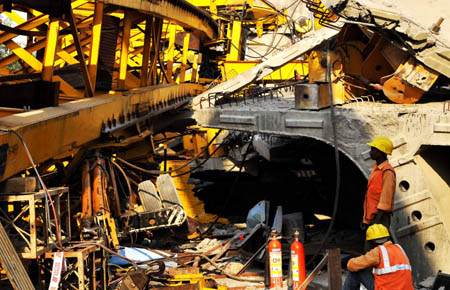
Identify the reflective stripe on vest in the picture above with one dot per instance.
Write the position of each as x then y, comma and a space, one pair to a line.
387, 265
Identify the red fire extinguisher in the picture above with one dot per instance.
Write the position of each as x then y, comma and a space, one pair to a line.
297, 262
275, 258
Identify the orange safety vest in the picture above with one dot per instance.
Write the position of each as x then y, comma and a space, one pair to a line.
374, 187
393, 271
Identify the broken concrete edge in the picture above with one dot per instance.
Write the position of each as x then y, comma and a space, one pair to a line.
420, 42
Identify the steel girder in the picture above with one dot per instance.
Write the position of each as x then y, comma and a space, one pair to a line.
60, 131
179, 11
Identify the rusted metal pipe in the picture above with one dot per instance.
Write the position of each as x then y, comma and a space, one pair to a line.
86, 196
437, 26
116, 202
97, 188
105, 188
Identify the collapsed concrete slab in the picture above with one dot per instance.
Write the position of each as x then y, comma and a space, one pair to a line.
265, 68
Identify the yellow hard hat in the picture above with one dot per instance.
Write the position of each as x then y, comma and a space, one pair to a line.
382, 143
376, 231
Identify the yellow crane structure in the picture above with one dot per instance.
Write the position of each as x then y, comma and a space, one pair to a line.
73, 41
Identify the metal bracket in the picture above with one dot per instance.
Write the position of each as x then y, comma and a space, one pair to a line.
160, 219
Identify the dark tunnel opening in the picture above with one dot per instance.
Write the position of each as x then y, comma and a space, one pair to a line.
301, 177
438, 157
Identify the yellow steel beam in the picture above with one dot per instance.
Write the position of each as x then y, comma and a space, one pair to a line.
66, 57
35, 64
185, 55
146, 54
50, 49
235, 49
207, 3
27, 57
124, 50
86, 117
233, 68
197, 60
131, 52
67, 89
180, 11
13, 57
72, 52
131, 80
135, 57
154, 55
39, 45
95, 42
15, 17
171, 52
78, 3
20, 20
33, 23
5, 112
213, 9
89, 91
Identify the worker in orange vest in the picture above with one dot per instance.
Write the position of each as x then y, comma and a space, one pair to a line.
391, 268
379, 200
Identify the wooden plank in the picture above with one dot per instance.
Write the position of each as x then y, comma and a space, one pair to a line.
15, 270
19, 184
26, 196
222, 251
314, 273
334, 269
149, 197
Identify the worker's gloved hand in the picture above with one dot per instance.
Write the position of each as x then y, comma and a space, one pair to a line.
363, 226
380, 213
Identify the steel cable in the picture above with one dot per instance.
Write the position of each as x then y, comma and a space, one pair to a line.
336, 156
48, 196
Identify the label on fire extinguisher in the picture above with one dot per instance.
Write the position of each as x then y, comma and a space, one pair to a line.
275, 264
294, 267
